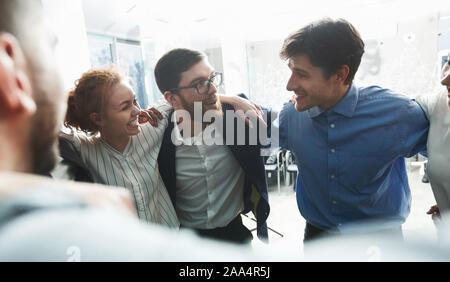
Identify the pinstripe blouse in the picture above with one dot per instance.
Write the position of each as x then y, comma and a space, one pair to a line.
135, 169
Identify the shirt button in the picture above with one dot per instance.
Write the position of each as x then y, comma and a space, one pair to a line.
332, 125
340, 224
332, 176
334, 202
333, 150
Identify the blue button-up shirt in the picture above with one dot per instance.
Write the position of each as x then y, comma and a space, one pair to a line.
350, 157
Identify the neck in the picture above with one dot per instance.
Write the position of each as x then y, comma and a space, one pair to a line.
118, 143
336, 97
15, 152
197, 127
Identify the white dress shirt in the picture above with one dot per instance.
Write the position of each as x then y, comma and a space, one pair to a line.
438, 147
210, 182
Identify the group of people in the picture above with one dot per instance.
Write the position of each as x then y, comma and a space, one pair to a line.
350, 144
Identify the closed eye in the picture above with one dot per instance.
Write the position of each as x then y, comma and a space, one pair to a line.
301, 74
128, 104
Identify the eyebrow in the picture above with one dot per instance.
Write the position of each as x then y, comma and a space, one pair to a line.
296, 69
299, 70
127, 101
198, 79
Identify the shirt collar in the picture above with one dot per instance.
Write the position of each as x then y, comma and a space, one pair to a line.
346, 106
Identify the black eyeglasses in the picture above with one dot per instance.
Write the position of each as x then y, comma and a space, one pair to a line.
204, 85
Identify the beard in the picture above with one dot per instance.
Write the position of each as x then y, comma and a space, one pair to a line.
46, 122
189, 107
43, 141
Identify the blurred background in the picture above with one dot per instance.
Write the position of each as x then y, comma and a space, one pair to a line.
405, 40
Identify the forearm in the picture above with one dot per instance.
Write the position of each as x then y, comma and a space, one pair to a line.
232, 100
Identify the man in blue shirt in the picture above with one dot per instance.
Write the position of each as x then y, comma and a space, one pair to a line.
349, 141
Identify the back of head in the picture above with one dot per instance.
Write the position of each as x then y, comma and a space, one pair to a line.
169, 67
329, 44
22, 20
90, 96
14, 16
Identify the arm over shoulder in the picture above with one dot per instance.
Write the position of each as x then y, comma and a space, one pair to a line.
414, 126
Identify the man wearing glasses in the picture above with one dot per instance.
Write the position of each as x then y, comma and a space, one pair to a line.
209, 184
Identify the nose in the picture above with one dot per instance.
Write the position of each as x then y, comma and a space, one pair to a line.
212, 89
446, 78
136, 110
291, 86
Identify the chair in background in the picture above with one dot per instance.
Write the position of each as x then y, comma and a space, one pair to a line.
275, 164
291, 168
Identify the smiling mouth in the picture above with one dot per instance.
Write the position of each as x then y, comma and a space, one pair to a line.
210, 103
133, 123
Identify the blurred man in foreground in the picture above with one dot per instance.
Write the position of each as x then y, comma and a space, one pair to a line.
46, 220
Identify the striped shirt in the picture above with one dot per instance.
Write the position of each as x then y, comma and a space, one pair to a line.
135, 169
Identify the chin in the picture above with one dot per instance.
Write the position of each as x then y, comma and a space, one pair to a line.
135, 132
217, 108
300, 108
132, 131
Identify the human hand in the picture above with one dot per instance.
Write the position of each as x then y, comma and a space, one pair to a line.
150, 115
245, 108
435, 213
292, 100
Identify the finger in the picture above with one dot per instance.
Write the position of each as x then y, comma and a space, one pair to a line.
152, 114
151, 119
156, 112
142, 118
258, 108
260, 118
257, 117
249, 122
154, 123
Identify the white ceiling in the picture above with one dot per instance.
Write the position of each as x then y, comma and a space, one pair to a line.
121, 17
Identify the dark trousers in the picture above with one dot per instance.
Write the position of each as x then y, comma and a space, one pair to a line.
234, 232
312, 233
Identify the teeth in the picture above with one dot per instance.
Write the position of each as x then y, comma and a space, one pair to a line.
134, 122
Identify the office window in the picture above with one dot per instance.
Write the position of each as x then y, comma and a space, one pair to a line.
125, 54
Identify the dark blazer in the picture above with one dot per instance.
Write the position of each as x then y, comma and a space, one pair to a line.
77, 169
248, 156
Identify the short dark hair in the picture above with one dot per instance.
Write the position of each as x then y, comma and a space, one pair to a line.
169, 67
329, 44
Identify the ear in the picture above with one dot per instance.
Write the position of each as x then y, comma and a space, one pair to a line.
342, 74
173, 99
96, 118
15, 87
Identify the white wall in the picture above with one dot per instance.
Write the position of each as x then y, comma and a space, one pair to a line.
66, 19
